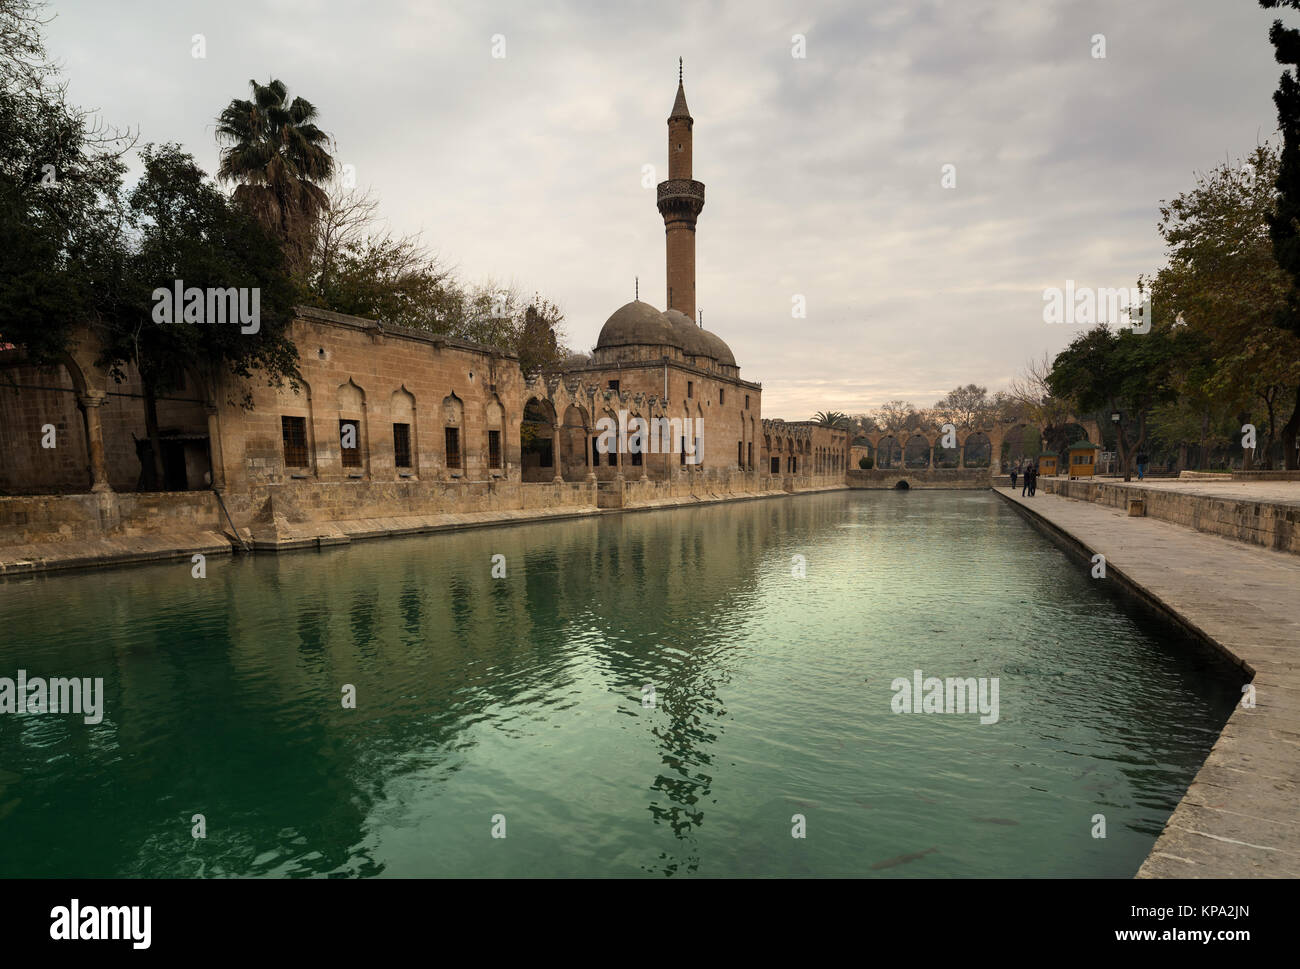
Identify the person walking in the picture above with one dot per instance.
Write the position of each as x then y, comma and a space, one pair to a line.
1142, 464
1031, 478
1024, 491
1013, 478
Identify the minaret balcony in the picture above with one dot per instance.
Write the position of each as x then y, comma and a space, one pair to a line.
681, 194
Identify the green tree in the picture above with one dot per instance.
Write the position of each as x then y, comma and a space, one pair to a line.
1224, 287
1284, 222
280, 160
831, 418
61, 219
188, 231
537, 338
1123, 372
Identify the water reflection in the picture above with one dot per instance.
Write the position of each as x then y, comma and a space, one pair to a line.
523, 696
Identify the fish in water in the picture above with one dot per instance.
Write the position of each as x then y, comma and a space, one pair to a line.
997, 820
902, 859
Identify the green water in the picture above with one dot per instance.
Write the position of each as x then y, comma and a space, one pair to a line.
523, 697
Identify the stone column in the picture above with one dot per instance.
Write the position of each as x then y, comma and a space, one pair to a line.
90, 403
589, 448
555, 454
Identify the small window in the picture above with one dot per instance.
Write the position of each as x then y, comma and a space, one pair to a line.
494, 449
722, 395
690, 388
402, 445
453, 447
293, 431
747, 402
613, 385
350, 443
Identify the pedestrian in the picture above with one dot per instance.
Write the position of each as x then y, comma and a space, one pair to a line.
1031, 476
1024, 490
1142, 464
1013, 478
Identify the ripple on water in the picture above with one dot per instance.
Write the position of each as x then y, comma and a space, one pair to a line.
529, 698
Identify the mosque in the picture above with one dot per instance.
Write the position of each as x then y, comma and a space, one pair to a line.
667, 354
393, 430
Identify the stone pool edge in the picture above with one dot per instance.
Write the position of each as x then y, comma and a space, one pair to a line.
18, 561
1237, 818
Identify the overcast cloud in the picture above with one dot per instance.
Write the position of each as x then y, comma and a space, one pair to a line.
822, 174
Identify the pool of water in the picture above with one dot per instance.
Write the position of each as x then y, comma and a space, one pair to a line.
641, 694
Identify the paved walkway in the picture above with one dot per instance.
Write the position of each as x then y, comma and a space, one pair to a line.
1240, 817
1280, 492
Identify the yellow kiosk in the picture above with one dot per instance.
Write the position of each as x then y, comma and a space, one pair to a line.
1083, 459
1047, 463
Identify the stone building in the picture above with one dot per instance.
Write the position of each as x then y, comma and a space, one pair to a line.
804, 447
679, 369
392, 430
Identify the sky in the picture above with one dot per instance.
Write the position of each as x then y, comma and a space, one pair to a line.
824, 172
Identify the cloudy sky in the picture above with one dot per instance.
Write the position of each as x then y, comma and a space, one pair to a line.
823, 172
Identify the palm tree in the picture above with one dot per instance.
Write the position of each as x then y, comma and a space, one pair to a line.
279, 157
831, 418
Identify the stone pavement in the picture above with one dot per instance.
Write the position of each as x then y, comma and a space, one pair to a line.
1240, 817
1278, 492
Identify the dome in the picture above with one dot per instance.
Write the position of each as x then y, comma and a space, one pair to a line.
688, 336
636, 324
719, 351
576, 360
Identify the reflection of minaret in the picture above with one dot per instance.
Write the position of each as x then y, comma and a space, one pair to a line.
680, 200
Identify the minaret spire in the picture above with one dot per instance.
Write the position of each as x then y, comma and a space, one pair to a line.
680, 200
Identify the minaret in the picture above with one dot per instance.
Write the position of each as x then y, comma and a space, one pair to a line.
680, 200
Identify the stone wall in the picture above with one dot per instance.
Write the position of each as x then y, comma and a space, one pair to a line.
28, 520
1270, 524
376, 377
920, 478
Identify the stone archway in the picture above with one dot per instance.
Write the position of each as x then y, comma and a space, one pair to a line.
538, 441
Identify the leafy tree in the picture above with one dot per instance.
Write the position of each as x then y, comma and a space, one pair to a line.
188, 230
279, 158
61, 245
1284, 223
1125, 372
896, 416
965, 407
1224, 287
537, 339
831, 418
